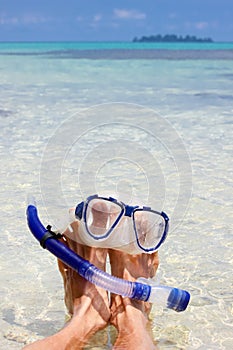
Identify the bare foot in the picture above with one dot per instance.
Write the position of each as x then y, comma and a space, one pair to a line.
87, 304
76, 287
130, 317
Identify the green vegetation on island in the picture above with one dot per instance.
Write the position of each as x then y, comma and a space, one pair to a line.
171, 38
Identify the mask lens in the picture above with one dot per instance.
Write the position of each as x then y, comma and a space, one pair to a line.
149, 227
101, 215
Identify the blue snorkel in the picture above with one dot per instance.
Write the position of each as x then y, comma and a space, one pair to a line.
172, 298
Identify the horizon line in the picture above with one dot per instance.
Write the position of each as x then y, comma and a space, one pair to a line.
112, 41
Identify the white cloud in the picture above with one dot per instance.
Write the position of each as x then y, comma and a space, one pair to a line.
96, 20
129, 14
34, 19
93, 21
98, 17
201, 25
5, 20
22, 19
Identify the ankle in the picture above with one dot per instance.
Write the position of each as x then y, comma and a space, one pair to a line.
130, 307
128, 316
86, 311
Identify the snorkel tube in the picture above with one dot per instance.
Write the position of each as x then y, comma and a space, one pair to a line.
143, 289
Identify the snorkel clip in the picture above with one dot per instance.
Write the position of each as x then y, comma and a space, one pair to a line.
49, 234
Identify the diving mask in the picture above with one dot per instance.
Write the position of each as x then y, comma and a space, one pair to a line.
108, 223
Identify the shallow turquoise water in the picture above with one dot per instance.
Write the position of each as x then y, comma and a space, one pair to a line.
159, 129
45, 46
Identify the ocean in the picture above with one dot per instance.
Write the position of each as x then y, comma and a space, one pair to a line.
151, 123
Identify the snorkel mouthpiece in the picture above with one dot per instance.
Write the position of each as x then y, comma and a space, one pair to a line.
142, 289
178, 299
169, 297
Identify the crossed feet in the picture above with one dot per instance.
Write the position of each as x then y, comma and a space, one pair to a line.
90, 307
130, 317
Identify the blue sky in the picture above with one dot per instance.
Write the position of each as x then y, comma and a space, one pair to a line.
106, 20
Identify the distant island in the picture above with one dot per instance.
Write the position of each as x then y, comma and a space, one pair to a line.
171, 38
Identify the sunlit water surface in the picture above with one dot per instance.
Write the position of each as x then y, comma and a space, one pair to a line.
195, 97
